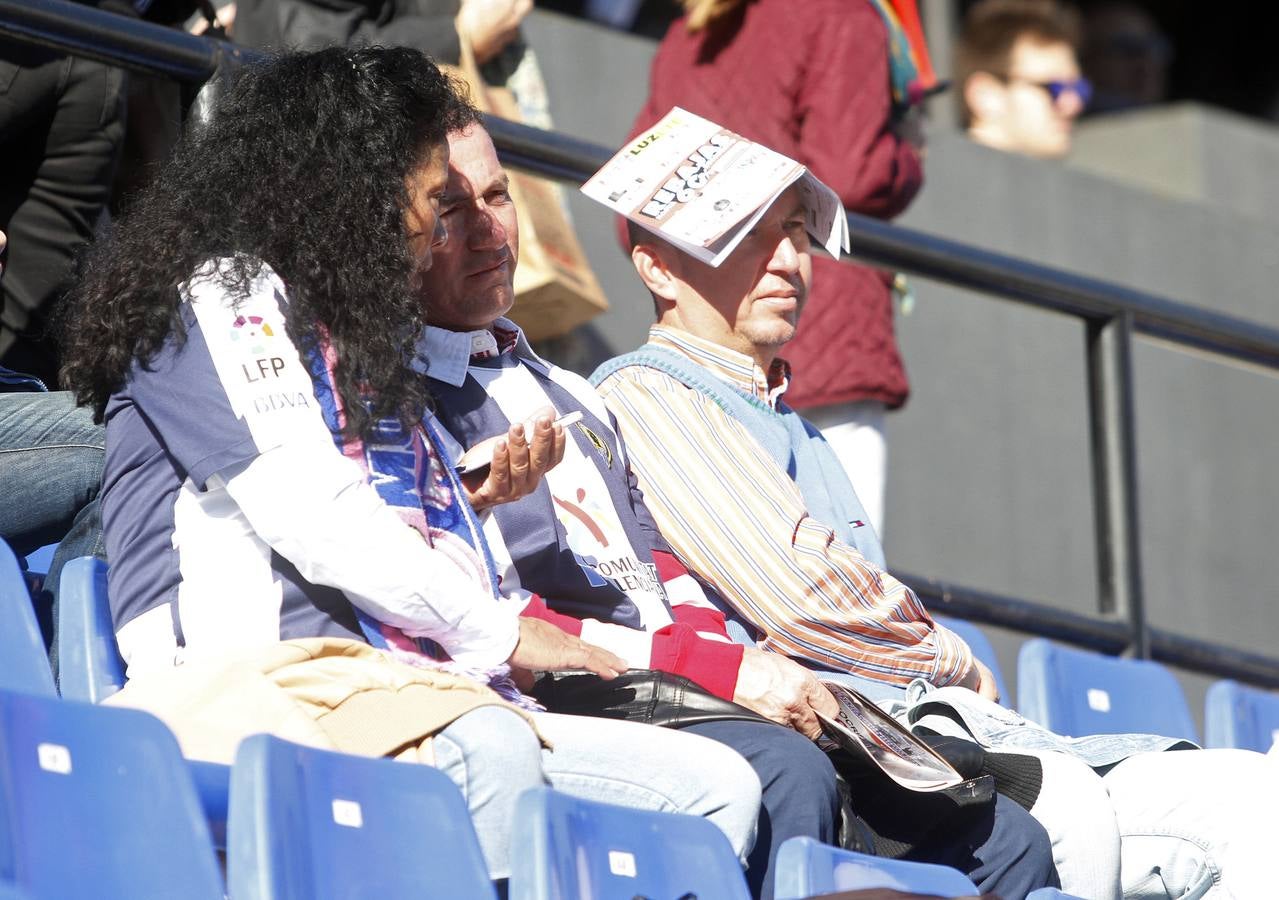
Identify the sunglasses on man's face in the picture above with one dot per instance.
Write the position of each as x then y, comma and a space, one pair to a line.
1080, 87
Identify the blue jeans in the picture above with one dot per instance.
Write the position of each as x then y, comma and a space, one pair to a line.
493, 756
51, 457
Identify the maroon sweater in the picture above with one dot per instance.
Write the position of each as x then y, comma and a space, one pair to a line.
810, 80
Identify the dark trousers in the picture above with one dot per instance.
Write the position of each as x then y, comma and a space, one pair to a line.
1007, 853
61, 130
1004, 851
800, 794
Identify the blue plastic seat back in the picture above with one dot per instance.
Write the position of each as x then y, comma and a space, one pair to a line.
977, 641
40, 560
97, 801
308, 824
1239, 716
24, 664
806, 867
1075, 693
89, 664
571, 848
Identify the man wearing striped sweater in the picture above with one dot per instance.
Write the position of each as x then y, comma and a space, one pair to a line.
749, 497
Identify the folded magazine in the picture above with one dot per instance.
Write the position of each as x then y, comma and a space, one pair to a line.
702, 187
864, 730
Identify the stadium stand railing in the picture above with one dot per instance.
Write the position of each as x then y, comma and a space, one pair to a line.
1113, 315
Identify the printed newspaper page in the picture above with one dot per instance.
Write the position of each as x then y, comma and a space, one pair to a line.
703, 187
864, 729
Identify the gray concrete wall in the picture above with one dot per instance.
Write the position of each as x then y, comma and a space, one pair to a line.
989, 473
1191, 152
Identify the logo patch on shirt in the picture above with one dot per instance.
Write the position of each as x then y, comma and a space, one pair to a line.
260, 370
254, 331
597, 442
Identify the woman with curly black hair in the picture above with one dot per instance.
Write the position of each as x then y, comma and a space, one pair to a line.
289, 550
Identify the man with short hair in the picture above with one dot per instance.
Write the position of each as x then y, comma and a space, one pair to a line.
1020, 87
583, 552
747, 495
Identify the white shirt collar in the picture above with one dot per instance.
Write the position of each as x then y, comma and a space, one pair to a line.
446, 355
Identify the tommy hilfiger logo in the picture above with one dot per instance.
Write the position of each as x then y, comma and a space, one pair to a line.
857, 523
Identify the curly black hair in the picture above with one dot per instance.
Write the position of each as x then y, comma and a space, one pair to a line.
303, 166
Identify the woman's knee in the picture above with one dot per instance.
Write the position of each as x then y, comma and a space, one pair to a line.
488, 749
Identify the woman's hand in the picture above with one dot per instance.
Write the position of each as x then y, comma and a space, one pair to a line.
543, 647
519, 462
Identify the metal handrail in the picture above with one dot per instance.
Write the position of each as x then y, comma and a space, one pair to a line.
1112, 313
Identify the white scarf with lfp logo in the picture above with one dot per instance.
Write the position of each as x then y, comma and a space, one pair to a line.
285, 395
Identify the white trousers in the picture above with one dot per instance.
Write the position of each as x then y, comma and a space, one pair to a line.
1178, 825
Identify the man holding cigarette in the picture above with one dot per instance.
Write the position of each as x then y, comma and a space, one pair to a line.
582, 550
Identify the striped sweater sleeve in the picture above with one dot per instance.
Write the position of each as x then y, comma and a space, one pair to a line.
740, 524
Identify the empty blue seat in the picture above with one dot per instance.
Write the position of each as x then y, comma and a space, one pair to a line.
97, 801
806, 868
1074, 692
573, 848
977, 641
89, 664
308, 824
24, 665
1236, 715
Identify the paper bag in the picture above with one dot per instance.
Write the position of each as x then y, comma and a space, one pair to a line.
555, 288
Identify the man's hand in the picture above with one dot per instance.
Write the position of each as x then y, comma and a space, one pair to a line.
519, 462
980, 679
491, 24
780, 689
543, 647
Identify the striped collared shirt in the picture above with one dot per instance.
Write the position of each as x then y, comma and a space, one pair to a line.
739, 522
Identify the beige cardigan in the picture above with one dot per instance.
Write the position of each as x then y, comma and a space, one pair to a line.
323, 692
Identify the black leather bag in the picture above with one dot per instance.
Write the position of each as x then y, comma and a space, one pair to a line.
890, 820
638, 695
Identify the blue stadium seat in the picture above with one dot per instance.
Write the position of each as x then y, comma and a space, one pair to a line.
97, 801
89, 664
1239, 716
38, 561
24, 665
1074, 692
573, 848
308, 824
806, 868
976, 639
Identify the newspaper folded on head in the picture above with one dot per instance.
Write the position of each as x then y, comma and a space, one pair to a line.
863, 729
702, 187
